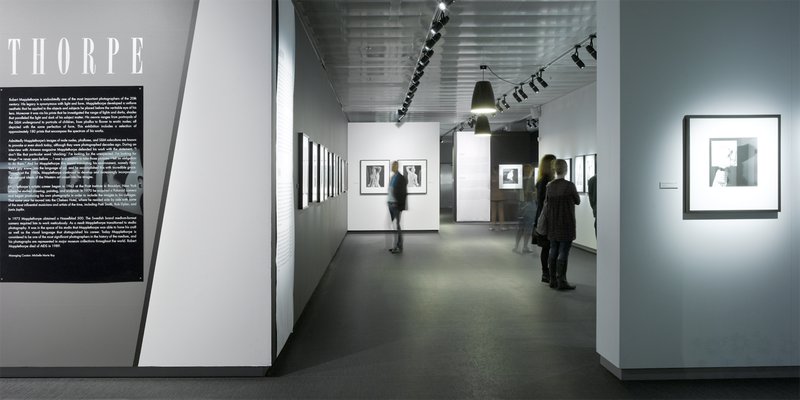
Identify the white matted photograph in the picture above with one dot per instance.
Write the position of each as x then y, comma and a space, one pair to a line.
731, 163
375, 176
579, 174
569, 169
590, 168
415, 172
304, 192
510, 176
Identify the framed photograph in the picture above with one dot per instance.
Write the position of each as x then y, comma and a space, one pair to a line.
323, 173
375, 176
569, 169
416, 174
510, 176
731, 163
304, 171
590, 168
315, 197
580, 177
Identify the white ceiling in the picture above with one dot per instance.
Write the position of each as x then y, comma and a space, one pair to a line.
370, 49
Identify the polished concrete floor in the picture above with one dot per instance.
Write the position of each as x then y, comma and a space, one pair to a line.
457, 315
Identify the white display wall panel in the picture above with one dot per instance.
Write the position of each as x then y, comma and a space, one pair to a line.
284, 175
388, 141
212, 293
568, 128
472, 169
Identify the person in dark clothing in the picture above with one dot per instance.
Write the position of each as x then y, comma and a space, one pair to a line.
545, 176
593, 200
398, 192
562, 197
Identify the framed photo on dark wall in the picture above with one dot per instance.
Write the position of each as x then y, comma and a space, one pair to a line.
374, 176
416, 174
315, 196
731, 163
510, 176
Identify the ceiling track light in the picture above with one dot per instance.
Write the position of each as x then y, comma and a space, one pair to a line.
576, 59
432, 41
498, 106
540, 79
438, 25
533, 85
504, 102
590, 47
444, 3
521, 92
516, 96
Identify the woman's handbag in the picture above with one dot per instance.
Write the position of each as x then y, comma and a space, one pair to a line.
539, 236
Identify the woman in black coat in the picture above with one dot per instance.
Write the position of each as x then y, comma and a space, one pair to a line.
562, 197
545, 176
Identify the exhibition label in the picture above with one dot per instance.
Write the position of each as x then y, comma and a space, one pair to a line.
71, 184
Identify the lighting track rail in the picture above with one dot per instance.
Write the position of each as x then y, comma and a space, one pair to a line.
518, 92
432, 36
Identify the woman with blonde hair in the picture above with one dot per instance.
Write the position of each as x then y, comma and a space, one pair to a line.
562, 197
545, 176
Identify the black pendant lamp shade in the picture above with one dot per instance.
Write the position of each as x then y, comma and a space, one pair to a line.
482, 126
483, 98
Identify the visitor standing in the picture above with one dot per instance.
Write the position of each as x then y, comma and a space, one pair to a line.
397, 194
545, 176
561, 199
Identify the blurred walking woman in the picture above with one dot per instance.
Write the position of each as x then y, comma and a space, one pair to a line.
545, 176
562, 197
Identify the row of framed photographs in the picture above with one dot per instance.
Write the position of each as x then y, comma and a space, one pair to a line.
585, 167
375, 176
323, 174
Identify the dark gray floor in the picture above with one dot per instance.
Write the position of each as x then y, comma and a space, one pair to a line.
458, 315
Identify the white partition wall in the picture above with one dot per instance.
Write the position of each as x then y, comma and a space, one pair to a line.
388, 141
472, 169
568, 128
695, 292
211, 297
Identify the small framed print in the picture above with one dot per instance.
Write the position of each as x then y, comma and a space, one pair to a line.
510, 176
731, 163
590, 168
568, 176
579, 173
375, 176
315, 192
416, 173
304, 171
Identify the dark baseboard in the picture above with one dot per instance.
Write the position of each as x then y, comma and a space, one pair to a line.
660, 374
131, 372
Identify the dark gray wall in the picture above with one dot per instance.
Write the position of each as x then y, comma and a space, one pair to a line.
320, 228
93, 325
513, 148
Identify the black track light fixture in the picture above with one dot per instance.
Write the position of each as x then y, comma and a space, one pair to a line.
423, 62
522, 92
410, 95
498, 106
540, 79
438, 25
418, 75
533, 85
577, 59
412, 89
516, 96
432, 41
590, 47
504, 102
471, 122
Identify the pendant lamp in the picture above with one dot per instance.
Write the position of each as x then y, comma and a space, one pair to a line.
482, 126
483, 97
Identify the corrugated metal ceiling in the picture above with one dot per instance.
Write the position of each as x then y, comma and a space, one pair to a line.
370, 49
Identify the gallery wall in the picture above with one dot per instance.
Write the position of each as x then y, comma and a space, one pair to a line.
95, 324
388, 141
568, 128
204, 298
699, 292
320, 228
473, 183
211, 297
